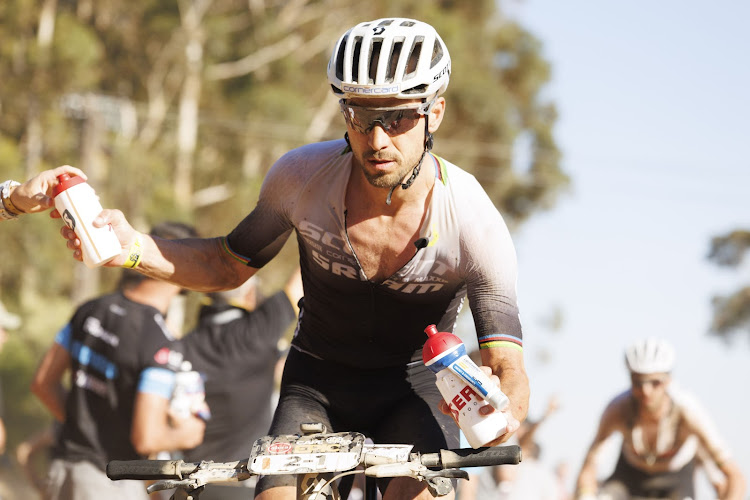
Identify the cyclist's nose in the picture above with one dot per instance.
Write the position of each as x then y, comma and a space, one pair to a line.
377, 137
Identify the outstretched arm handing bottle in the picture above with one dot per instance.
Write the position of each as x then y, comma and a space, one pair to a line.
32, 196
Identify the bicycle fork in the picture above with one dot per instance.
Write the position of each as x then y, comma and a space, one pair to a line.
316, 487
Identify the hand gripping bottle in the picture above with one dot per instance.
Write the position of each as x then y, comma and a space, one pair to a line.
465, 387
78, 205
189, 394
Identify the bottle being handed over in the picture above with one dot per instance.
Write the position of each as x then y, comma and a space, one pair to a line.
78, 206
465, 387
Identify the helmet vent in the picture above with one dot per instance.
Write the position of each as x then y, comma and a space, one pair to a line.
393, 61
377, 45
437, 54
411, 64
355, 59
340, 58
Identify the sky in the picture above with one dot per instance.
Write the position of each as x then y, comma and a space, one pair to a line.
654, 128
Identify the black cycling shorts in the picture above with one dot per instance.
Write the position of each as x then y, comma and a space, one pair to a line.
390, 406
675, 485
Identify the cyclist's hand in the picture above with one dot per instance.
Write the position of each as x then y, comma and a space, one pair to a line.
191, 430
513, 423
123, 230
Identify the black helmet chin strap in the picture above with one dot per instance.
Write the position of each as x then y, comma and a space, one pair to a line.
428, 142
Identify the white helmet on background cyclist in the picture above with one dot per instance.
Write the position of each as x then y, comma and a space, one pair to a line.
650, 356
392, 57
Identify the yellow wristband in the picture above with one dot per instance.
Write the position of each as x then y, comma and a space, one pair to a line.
135, 253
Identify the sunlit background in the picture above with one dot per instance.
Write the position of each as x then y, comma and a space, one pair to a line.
654, 126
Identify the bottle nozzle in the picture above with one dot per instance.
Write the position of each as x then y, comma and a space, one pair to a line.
63, 177
431, 330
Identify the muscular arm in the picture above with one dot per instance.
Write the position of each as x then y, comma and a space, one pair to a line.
198, 264
47, 382
507, 364
201, 264
587, 481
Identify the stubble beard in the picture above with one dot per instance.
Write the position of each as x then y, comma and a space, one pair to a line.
386, 180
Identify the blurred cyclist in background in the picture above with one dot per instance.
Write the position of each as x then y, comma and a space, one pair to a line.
662, 430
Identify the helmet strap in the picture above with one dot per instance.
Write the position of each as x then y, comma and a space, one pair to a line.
428, 142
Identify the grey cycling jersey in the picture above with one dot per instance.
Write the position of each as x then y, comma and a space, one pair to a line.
464, 250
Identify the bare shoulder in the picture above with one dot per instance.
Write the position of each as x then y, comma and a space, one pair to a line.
616, 412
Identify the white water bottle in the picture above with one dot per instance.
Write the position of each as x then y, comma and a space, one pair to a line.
464, 405
461, 382
189, 394
78, 205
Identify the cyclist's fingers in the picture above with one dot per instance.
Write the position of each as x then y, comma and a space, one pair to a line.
443, 407
513, 423
512, 427
488, 371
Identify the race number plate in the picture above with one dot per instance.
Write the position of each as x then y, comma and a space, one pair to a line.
294, 454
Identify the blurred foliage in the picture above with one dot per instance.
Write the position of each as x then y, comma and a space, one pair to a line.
104, 86
731, 312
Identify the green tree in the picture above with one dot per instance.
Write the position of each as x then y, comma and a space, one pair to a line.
731, 312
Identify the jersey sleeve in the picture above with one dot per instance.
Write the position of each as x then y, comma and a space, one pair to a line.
158, 381
489, 264
64, 337
262, 234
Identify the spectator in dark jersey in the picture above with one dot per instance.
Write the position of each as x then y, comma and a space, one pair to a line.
235, 348
104, 350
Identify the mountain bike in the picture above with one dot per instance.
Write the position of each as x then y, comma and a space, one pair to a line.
318, 458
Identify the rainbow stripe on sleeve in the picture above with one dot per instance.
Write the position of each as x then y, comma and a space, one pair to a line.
232, 253
500, 340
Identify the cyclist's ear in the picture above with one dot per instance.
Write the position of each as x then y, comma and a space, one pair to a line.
436, 114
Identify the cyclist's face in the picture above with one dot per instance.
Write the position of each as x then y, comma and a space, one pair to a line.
387, 135
650, 389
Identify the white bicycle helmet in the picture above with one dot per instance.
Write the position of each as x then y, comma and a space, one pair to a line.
393, 57
650, 356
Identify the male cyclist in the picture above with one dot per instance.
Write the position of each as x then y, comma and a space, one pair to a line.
662, 431
391, 239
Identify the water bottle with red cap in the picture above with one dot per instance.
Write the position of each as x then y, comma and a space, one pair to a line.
465, 387
79, 205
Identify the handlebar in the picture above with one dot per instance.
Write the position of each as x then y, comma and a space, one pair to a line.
178, 469
149, 469
468, 457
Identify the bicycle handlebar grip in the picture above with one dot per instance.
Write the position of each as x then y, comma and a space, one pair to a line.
492, 455
148, 469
